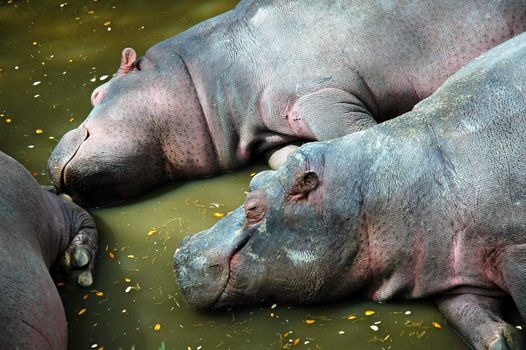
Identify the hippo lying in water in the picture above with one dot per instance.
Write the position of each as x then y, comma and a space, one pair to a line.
430, 204
264, 76
37, 228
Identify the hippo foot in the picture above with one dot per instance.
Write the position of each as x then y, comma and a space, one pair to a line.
508, 338
78, 260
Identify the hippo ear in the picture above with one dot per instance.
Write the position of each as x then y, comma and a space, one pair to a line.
129, 56
305, 182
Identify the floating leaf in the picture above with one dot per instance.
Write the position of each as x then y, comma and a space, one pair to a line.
297, 341
39, 131
219, 215
352, 317
99, 294
157, 327
436, 324
82, 312
151, 232
369, 312
310, 321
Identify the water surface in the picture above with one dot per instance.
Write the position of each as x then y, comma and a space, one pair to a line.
53, 54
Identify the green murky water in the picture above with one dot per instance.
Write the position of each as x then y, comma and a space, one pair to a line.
52, 55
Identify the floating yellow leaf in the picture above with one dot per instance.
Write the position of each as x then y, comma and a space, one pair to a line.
82, 312
157, 327
35, 43
85, 296
101, 348
151, 232
436, 324
99, 294
309, 321
71, 119
352, 317
127, 280
111, 255
39, 131
252, 174
8, 120
297, 341
369, 312
131, 256
219, 215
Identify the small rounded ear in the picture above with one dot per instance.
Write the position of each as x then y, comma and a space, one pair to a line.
129, 56
305, 182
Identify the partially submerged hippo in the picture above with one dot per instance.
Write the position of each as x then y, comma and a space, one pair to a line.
264, 76
430, 204
37, 228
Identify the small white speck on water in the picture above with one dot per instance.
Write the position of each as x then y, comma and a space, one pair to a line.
518, 327
16, 67
37, 83
341, 332
31, 146
109, 29
104, 77
374, 328
94, 346
37, 95
274, 306
94, 79
407, 313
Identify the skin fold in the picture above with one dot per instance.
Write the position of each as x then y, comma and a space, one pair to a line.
428, 205
264, 78
38, 229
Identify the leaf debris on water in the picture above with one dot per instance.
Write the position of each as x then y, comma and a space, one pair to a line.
39, 131
352, 317
82, 312
369, 312
219, 215
157, 327
436, 324
151, 232
309, 322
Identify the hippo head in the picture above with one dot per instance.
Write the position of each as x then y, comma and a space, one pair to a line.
146, 126
288, 243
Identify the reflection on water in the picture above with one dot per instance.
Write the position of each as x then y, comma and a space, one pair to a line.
53, 53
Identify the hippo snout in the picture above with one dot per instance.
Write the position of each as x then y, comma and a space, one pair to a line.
202, 261
63, 153
202, 275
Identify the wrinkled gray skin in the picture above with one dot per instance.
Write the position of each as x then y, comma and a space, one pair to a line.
266, 75
430, 204
37, 230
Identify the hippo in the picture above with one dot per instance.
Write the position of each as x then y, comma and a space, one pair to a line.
37, 230
429, 204
263, 77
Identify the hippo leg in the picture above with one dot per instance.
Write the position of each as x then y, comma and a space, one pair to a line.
513, 270
477, 319
321, 110
78, 260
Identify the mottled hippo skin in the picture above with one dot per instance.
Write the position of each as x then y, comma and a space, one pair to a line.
266, 75
37, 228
430, 204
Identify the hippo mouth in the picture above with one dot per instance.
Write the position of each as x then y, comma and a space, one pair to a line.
204, 265
63, 155
222, 299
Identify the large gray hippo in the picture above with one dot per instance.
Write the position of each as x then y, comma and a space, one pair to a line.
430, 204
266, 75
37, 229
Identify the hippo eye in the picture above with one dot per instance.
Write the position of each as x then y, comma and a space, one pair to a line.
255, 208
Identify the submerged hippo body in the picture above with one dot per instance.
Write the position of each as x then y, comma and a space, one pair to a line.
264, 76
36, 229
430, 204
